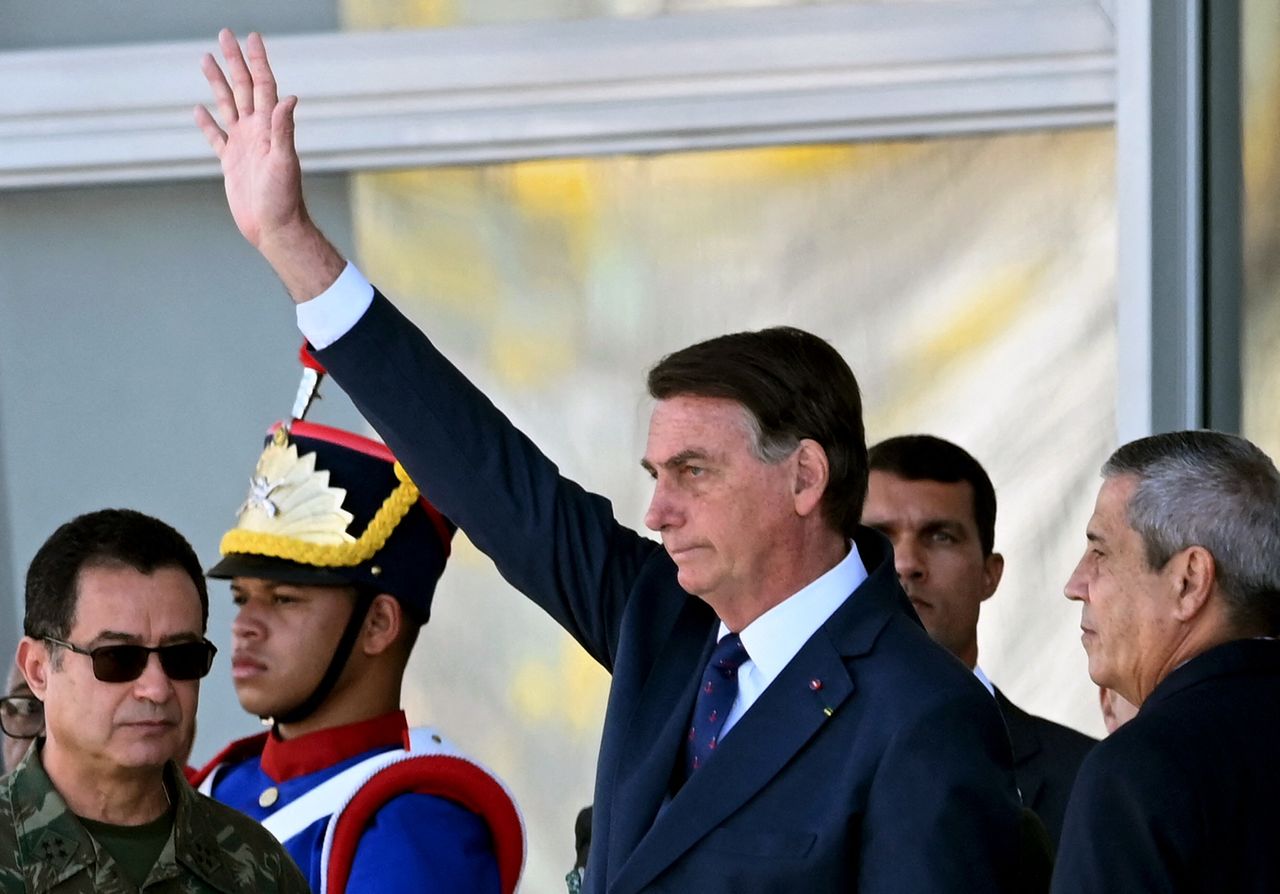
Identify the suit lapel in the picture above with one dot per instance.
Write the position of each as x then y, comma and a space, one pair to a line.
785, 717
1025, 743
657, 729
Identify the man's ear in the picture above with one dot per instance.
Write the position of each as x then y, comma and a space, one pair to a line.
992, 571
812, 473
34, 661
382, 624
1194, 574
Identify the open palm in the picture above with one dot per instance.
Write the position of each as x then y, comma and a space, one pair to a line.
255, 140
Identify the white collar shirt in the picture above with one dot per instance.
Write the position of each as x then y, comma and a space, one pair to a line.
775, 637
984, 680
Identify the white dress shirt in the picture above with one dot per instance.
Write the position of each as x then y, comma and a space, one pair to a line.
775, 637
984, 680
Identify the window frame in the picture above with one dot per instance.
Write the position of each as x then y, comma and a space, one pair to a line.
740, 78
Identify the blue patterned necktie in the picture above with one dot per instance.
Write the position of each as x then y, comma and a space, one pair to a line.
715, 699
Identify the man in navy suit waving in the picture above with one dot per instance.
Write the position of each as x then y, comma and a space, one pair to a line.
778, 718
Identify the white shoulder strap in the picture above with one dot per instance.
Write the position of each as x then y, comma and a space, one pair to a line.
326, 798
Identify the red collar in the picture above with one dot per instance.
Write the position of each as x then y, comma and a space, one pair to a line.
284, 759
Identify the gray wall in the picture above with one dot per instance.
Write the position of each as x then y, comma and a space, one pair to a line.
33, 24
144, 349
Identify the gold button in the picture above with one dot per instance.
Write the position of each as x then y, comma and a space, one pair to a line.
268, 797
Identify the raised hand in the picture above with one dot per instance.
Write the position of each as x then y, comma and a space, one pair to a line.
260, 168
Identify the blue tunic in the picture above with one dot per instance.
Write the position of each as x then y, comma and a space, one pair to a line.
415, 842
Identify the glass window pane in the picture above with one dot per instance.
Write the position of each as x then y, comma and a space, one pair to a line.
359, 15
1260, 378
969, 282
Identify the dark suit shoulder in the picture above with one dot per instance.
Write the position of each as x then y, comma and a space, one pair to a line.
908, 661
1069, 744
1185, 791
877, 619
1130, 819
1046, 758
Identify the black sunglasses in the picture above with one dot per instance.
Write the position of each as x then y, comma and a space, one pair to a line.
21, 716
125, 663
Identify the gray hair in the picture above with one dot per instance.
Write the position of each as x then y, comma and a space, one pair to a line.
768, 447
1217, 491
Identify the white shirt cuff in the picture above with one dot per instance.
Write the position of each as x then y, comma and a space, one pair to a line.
331, 314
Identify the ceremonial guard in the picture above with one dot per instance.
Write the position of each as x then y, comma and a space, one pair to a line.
333, 563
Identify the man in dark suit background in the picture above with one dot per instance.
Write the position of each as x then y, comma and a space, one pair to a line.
937, 506
1178, 592
792, 728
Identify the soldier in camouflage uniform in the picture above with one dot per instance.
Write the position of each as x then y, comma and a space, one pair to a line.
212, 847
99, 805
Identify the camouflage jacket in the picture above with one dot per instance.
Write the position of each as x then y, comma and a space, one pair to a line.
45, 848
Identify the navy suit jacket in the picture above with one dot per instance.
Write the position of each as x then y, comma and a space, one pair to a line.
1046, 758
1185, 797
875, 762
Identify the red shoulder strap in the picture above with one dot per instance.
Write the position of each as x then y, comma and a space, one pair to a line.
447, 777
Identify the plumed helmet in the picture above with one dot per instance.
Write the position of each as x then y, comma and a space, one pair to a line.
328, 507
